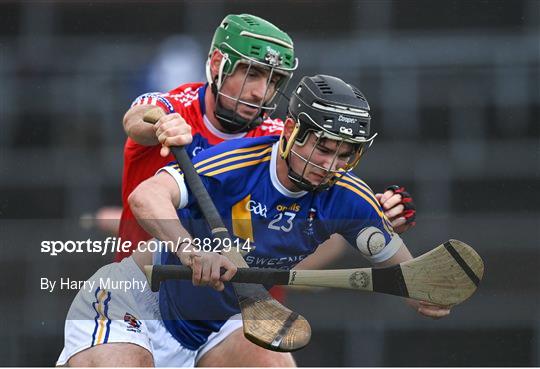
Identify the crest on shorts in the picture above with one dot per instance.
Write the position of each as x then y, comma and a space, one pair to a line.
133, 324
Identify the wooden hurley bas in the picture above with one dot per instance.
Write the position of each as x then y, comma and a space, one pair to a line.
446, 275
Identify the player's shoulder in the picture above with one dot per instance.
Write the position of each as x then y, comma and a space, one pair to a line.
154, 98
268, 127
185, 94
352, 188
186, 89
175, 100
236, 147
355, 182
235, 155
361, 201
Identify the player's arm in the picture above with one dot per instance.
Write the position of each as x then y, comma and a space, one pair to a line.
423, 308
397, 205
169, 130
382, 247
154, 203
326, 254
402, 254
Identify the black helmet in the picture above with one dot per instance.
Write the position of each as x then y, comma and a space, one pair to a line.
331, 109
326, 103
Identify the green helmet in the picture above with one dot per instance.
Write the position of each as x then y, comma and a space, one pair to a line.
251, 40
249, 37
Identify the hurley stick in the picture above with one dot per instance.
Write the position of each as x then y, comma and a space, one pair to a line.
446, 275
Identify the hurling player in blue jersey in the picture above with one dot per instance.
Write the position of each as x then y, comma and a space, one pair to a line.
287, 195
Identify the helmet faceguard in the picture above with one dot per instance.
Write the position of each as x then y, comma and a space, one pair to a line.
256, 45
326, 108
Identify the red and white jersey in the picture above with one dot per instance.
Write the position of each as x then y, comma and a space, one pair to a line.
142, 162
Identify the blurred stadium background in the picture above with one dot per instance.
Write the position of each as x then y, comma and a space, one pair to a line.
454, 88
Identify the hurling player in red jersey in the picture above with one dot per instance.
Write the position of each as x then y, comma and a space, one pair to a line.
249, 62
249, 65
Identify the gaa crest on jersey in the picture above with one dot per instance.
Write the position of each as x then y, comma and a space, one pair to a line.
256, 208
133, 324
273, 57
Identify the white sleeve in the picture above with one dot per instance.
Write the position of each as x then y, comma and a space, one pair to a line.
179, 178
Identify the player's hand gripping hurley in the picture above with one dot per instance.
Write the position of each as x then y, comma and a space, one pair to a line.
267, 323
446, 275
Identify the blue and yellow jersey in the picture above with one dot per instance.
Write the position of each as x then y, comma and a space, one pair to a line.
284, 227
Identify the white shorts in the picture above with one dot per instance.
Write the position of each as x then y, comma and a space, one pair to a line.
102, 314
